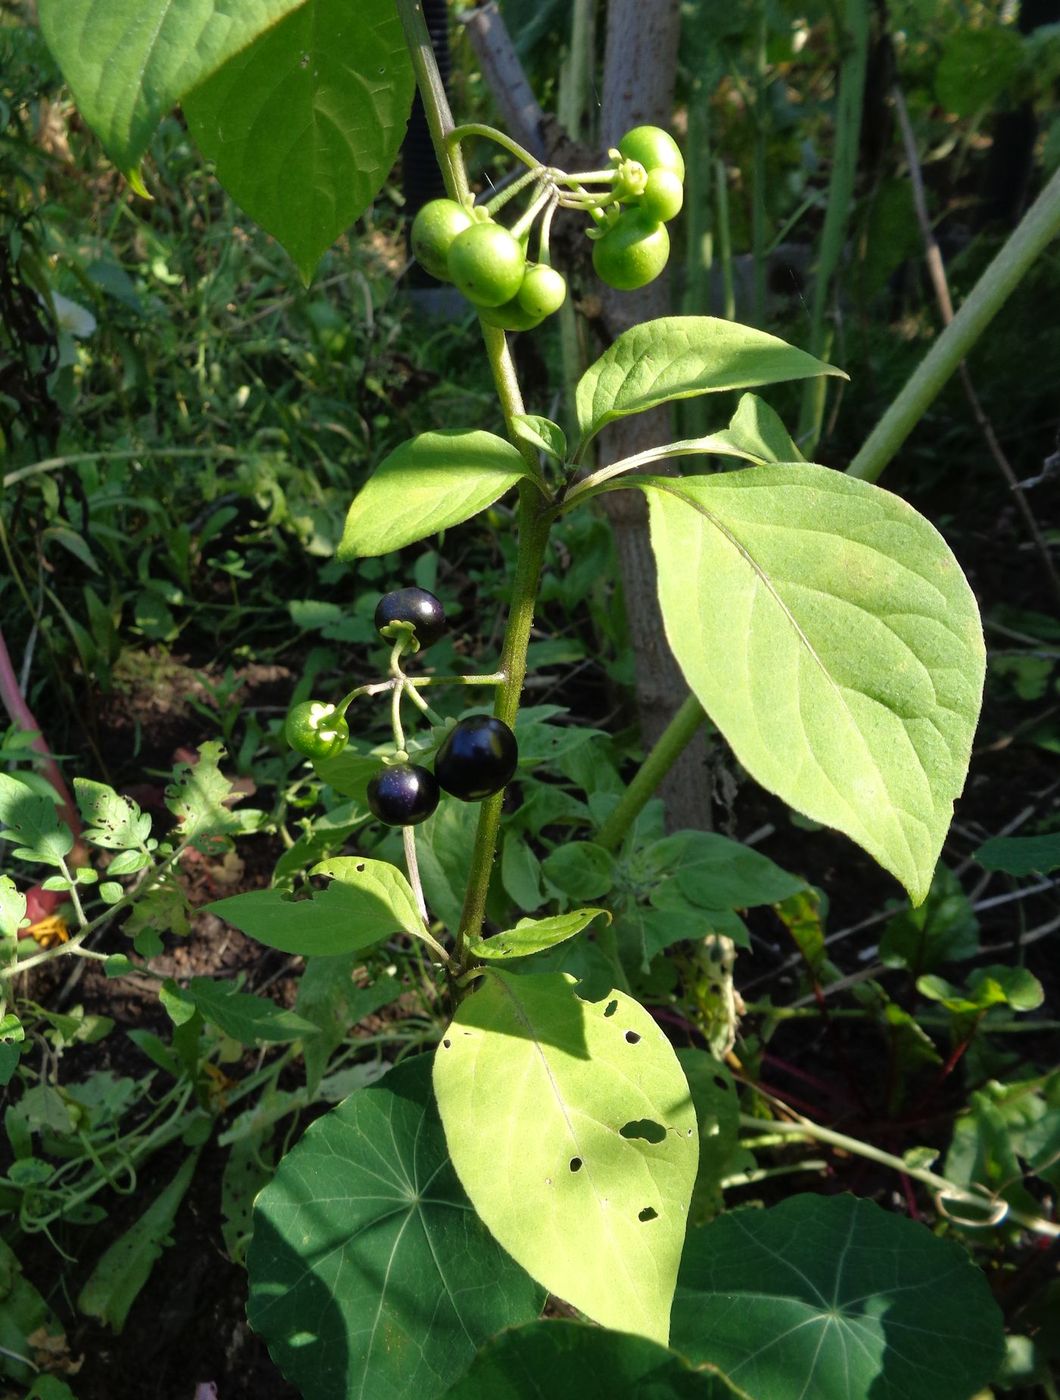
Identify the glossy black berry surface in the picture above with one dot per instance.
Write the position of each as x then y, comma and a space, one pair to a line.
403, 795
477, 758
413, 605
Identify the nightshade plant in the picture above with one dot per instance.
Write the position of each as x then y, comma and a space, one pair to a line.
550, 1144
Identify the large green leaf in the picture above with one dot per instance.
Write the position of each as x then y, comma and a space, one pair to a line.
366, 901
370, 1274
569, 1361
678, 357
427, 484
304, 125
571, 1128
129, 61
831, 1297
245, 1017
829, 633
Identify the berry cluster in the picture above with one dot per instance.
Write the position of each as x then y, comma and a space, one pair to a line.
476, 759
642, 189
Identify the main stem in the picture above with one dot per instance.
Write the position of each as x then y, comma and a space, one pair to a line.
532, 523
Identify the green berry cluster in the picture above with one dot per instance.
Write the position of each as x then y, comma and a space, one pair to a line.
642, 189
476, 759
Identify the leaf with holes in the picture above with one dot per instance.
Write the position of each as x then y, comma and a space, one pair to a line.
829, 633
112, 821
679, 357
531, 936
831, 1297
571, 1128
369, 1272
367, 900
129, 61
304, 125
569, 1361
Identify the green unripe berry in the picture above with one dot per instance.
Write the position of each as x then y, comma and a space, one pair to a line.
487, 264
654, 148
433, 231
663, 195
314, 730
543, 291
632, 252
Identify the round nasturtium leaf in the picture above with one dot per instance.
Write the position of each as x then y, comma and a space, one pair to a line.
370, 1274
571, 1128
569, 1361
832, 1297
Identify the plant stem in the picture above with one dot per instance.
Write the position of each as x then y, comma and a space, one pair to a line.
532, 523
667, 749
1028, 240
803, 1127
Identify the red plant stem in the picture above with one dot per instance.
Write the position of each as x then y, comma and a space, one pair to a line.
20, 713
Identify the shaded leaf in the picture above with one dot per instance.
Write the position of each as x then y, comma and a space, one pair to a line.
370, 1274
833, 1297
304, 125
1021, 855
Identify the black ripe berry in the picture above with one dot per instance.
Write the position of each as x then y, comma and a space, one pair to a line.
413, 605
403, 795
477, 758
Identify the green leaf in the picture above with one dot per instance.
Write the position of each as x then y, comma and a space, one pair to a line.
569, 1361
369, 1272
23, 1314
571, 1129
718, 1114
349, 773
756, 430
247, 1018
716, 872
304, 125
427, 484
580, 869
976, 66
12, 917
367, 900
1021, 855
542, 434
112, 821
32, 824
444, 844
199, 796
129, 61
531, 936
521, 872
126, 1265
944, 929
831, 1297
679, 357
328, 997
987, 986
829, 633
